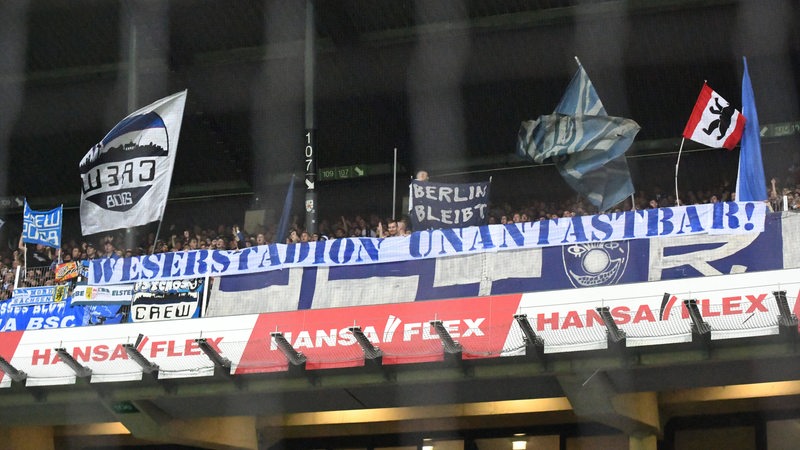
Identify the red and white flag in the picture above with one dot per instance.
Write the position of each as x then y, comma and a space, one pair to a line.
714, 122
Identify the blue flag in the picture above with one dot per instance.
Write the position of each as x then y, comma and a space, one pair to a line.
42, 227
750, 182
585, 143
283, 225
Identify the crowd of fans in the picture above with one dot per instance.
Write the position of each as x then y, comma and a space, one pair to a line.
40, 260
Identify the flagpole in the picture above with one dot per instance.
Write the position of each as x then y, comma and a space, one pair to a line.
158, 230
394, 184
677, 164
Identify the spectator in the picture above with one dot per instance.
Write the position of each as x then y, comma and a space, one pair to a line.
403, 228
108, 249
41, 256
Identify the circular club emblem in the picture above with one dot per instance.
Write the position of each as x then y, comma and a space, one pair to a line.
596, 263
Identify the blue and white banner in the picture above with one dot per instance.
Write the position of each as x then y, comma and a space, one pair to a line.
117, 294
585, 265
443, 205
713, 219
167, 300
32, 317
52, 307
42, 227
27, 296
126, 176
58, 315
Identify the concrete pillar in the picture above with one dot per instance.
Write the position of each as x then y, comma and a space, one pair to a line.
648, 442
218, 432
149, 422
27, 438
593, 397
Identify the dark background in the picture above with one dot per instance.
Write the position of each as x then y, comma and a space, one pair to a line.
446, 83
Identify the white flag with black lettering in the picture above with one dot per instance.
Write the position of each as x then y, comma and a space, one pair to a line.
126, 177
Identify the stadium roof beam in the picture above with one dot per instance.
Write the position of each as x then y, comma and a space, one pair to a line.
616, 336
450, 346
786, 320
699, 326
370, 351
532, 341
701, 330
80, 370
292, 355
146, 365
219, 361
12, 372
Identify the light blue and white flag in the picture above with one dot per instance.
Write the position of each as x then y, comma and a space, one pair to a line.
42, 227
585, 143
126, 176
751, 184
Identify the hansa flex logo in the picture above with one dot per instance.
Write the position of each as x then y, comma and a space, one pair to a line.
395, 330
120, 170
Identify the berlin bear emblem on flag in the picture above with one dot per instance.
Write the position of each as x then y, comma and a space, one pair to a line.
714, 121
722, 124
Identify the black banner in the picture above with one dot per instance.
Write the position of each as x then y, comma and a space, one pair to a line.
443, 205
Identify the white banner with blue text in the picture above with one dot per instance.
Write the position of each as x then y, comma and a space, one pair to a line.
715, 219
